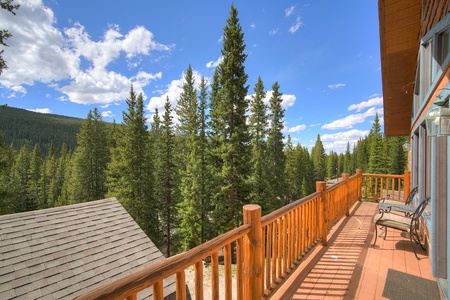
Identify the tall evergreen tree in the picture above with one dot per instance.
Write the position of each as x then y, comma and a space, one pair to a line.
130, 172
205, 171
230, 106
189, 209
397, 157
258, 122
377, 158
275, 146
91, 159
166, 179
332, 165
34, 201
319, 160
347, 160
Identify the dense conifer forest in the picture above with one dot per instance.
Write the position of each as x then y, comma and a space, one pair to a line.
183, 183
26, 128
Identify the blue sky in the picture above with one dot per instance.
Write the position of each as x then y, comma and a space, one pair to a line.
68, 57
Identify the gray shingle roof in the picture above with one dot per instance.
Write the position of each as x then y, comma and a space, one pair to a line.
62, 252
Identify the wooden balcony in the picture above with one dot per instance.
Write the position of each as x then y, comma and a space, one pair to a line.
319, 247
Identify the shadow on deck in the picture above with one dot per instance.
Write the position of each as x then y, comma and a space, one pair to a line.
350, 268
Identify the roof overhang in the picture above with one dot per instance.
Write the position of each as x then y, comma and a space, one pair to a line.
399, 22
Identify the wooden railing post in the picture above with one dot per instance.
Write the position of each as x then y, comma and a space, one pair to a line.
345, 178
407, 184
359, 174
253, 255
321, 186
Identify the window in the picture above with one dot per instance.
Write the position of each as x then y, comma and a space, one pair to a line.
426, 68
443, 47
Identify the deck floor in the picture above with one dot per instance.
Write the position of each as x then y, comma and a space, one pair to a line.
349, 267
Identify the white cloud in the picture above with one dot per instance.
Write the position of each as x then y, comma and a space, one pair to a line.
253, 26
346, 122
287, 100
289, 11
107, 114
16, 91
338, 141
274, 31
213, 64
336, 86
376, 101
173, 91
41, 110
296, 26
40, 52
351, 120
297, 128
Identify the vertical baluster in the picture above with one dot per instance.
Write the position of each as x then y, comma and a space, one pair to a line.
268, 254
273, 225
198, 269
215, 275
158, 291
181, 285
239, 270
227, 267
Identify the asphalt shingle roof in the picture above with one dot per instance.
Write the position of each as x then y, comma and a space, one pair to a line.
62, 252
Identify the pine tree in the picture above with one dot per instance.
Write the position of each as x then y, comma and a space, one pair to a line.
130, 171
258, 122
377, 158
290, 172
91, 159
318, 157
275, 145
34, 201
229, 107
397, 157
347, 160
189, 209
205, 176
166, 177
7, 188
20, 179
332, 165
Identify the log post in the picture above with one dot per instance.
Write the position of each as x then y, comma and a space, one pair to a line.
359, 174
253, 255
321, 186
345, 178
407, 185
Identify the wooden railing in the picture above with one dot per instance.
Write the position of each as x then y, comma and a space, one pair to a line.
378, 186
267, 248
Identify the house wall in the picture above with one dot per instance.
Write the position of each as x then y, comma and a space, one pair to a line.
430, 167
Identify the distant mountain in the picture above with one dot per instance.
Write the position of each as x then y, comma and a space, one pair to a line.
23, 127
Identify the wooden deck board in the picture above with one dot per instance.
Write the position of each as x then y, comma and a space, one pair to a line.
349, 267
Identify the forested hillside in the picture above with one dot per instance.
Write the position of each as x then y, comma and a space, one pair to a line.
25, 128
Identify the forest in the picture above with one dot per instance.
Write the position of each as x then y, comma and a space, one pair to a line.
185, 183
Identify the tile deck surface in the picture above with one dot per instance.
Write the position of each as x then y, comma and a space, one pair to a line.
349, 267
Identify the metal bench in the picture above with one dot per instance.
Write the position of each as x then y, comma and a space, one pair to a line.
409, 224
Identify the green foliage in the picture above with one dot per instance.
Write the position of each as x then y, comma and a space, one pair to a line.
377, 158
91, 159
26, 128
231, 134
5, 34
276, 157
130, 171
259, 179
319, 160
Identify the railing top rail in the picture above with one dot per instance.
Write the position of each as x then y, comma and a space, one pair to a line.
267, 219
383, 175
148, 276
